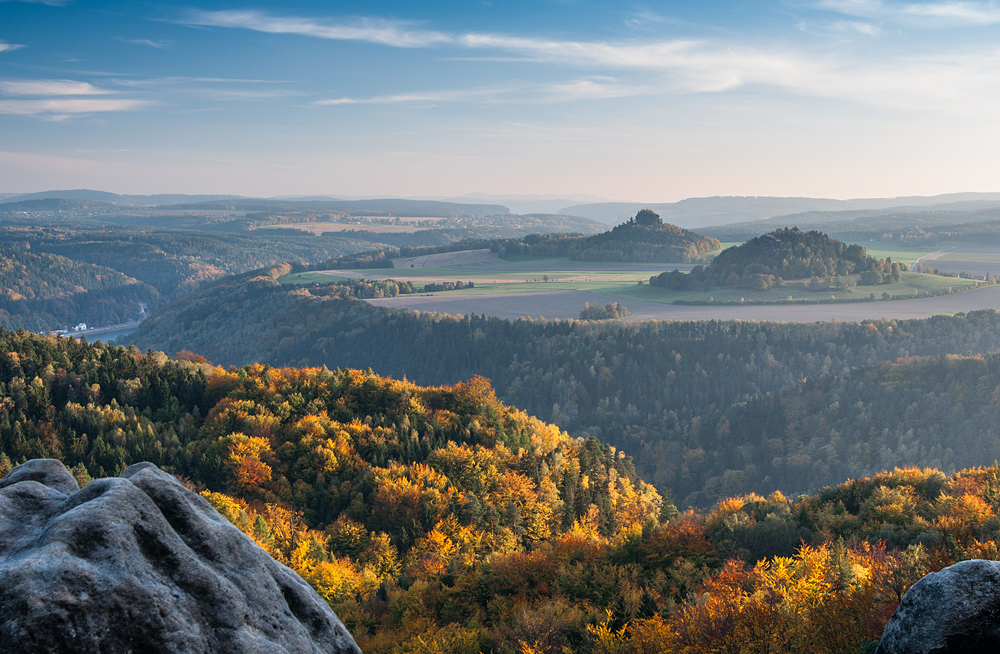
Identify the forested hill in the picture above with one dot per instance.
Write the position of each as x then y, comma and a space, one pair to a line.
174, 261
791, 253
656, 390
437, 519
409, 482
642, 238
404, 456
45, 291
786, 255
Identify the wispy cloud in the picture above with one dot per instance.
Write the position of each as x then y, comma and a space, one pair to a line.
591, 89
925, 14
855, 26
425, 97
7, 47
159, 45
644, 18
940, 81
971, 13
217, 88
372, 30
569, 91
66, 107
695, 65
49, 87
59, 99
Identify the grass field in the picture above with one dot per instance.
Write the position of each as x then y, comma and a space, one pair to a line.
902, 254
529, 276
911, 285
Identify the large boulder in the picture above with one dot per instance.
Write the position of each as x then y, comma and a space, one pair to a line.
954, 610
140, 564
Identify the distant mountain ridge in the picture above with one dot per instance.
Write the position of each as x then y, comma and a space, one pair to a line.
55, 204
399, 207
725, 210
518, 204
689, 213
946, 221
402, 207
117, 199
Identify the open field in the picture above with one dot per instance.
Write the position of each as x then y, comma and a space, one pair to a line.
617, 286
970, 256
903, 254
623, 284
976, 260
485, 268
558, 287
569, 304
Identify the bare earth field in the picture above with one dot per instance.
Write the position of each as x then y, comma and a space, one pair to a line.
978, 261
569, 304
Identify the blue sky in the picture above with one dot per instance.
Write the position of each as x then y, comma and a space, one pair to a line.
652, 101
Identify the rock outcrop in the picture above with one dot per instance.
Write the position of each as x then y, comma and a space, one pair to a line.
140, 564
954, 610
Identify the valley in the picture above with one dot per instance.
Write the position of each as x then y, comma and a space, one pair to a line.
499, 327
412, 424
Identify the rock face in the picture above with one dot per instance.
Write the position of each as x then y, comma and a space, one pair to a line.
140, 564
954, 610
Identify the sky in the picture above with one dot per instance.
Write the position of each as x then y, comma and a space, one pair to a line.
647, 101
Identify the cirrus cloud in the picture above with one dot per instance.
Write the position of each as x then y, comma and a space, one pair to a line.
941, 81
65, 107
49, 87
924, 14
372, 30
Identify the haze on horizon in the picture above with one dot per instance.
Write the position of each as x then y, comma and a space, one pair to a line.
645, 101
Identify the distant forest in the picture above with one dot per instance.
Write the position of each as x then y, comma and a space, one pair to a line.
174, 255
660, 391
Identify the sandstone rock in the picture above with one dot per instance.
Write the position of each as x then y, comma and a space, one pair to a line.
140, 564
954, 610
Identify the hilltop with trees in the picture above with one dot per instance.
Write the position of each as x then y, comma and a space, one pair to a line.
642, 238
787, 254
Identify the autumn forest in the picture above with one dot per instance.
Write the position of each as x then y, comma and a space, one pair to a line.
453, 484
